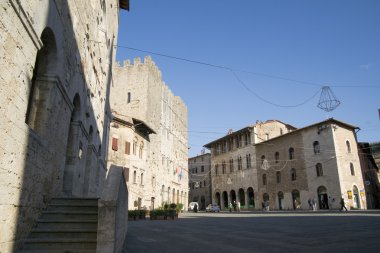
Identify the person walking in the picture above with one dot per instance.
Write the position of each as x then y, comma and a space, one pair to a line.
230, 206
342, 204
238, 206
309, 201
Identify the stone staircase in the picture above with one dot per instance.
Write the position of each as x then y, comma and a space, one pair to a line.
68, 225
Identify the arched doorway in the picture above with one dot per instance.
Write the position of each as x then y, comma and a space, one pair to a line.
217, 197
74, 148
242, 197
233, 196
280, 196
203, 203
356, 196
251, 197
323, 198
296, 199
225, 200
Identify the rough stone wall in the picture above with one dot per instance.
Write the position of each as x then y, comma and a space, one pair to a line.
154, 103
202, 179
270, 166
56, 70
344, 158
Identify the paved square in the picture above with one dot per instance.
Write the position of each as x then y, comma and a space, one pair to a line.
354, 231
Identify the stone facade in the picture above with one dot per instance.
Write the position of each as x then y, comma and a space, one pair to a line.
288, 168
234, 164
56, 71
200, 180
371, 175
139, 92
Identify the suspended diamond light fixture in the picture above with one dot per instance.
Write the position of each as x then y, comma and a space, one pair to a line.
328, 101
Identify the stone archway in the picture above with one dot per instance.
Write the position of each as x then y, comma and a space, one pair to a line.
217, 198
242, 197
356, 197
322, 197
251, 197
225, 200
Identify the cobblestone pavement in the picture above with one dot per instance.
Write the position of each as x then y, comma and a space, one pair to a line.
353, 231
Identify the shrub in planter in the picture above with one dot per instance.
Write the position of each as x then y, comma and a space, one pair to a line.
173, 206
133, 214
179, 208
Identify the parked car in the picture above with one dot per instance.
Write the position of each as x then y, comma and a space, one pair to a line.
192, 205
213, 208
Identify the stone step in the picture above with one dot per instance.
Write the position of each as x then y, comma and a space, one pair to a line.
67, 224
75, 201
58, 251
69, 215
63, 233
48, 244
68, 207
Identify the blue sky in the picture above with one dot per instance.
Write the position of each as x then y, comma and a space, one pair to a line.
326, 42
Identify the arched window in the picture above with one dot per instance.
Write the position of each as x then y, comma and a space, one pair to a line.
142, 179
276, 157
348, 146
134, 177
291, 153
264, 179
293, 174
352, 169
223, 167
278, 177
316, 147
319, 169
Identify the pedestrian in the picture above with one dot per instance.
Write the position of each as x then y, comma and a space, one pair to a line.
230, 206
195, 208
266, 205
314, 203
309, 201
238, 206
342, 204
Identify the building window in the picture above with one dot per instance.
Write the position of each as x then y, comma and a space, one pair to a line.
352, 169
291, 153
134, 177
142, 179
141, 150
348, 146
223, 167
196, 169
127, 148
266, 136
240, 166
126, 174
264, 179
248, 158
129, 98
262, 159
293, 174
216, 169
319, 169
134, 147
316, 147
204, 183
276, 157
237, 142
278, 177
115, 145
231, 165
249, 138
202, 168
281, 131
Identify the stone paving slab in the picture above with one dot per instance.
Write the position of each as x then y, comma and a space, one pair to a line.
301, 231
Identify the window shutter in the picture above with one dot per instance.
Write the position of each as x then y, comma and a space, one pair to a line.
114, 144
127, 148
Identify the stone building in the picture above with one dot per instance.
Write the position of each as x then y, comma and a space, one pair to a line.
371, 175
233, 162
200, 180
287, 168
128, 147
139, 92
56, 71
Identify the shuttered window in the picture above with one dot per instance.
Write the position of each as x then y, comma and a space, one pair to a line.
115, 144
127, 148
